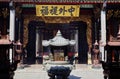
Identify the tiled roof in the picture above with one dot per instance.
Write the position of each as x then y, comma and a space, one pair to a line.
62, 1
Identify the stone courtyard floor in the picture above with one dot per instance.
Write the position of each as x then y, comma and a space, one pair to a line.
82, 71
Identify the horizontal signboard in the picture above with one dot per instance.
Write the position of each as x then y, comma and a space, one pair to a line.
58, 10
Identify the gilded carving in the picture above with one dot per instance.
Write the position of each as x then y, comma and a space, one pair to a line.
113, 13
25, 34
109, 14
56, 19
5, 12
85, 18
27, 19
18, 11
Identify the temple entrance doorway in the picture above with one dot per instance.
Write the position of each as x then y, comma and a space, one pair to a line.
38, 32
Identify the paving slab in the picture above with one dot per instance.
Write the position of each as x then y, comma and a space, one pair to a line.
82, 71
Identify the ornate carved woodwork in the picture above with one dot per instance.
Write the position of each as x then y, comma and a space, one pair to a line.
113, 18
29, 18
4, 13
18, 11
111, 65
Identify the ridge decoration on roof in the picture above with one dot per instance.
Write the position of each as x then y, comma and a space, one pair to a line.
63, 1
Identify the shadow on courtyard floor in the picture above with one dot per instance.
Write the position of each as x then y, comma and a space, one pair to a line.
74, 77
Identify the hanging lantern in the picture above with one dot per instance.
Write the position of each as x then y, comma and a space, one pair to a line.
18, 47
